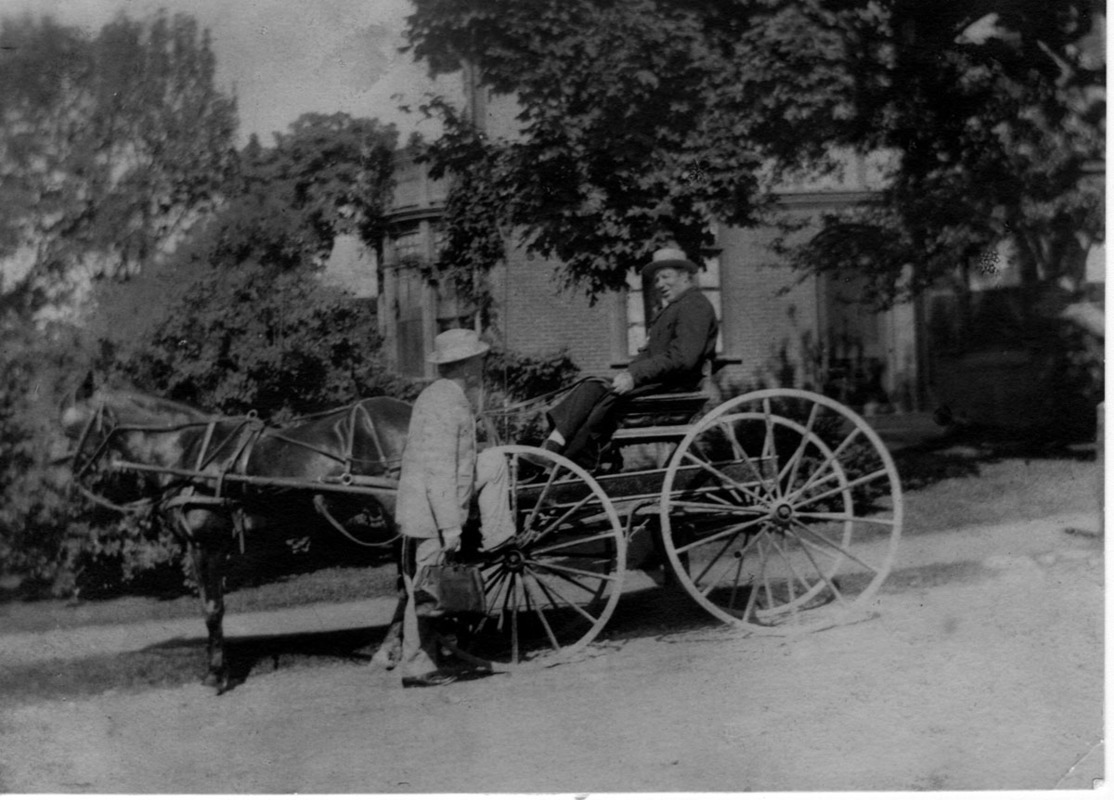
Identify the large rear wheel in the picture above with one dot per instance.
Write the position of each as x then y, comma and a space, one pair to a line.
781, 512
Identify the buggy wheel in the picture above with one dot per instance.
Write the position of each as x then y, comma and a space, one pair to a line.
553, 588
781, 511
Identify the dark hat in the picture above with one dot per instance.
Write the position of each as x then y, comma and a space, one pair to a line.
668, 257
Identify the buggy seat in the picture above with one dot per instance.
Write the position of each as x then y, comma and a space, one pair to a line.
659, 417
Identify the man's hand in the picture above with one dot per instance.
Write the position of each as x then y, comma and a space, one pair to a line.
622, 383
450, 539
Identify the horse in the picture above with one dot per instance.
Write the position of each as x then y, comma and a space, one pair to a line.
212, 480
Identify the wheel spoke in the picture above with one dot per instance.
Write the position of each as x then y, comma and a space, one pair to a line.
789, 563
574, 606
560, 520
709, 467
828, 517
489, 608
752, 599
789, 581
729, 531
563, 570
824, 577
850, 485
769, 452
555, 546
795, 460
553, 472
554, 643
828, 461
516, 653
735, 583
766, 576
833, 545
719, 555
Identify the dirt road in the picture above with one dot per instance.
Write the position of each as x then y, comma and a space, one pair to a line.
982, 669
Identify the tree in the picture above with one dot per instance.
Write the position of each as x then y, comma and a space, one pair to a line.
254, 329
283, 207
256, 339
35, 365
642, 120
646, 119
996, 112
329, 175
110, 146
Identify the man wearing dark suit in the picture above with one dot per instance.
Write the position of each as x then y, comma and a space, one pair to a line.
681, 339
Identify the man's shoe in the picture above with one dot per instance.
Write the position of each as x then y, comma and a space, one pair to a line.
497, 547
435, 678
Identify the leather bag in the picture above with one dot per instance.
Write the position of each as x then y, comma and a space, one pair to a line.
460, 588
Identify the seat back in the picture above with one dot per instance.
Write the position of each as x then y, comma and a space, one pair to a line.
660, 417
679, 408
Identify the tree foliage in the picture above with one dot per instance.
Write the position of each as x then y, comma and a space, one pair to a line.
278, 343
643, 120
996, 113
283, 208
110, 146
36, 366
328, 175
255, 329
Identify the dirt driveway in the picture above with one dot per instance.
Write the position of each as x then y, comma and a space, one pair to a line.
982, 669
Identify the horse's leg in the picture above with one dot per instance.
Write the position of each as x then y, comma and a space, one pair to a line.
390, 649
209, 574
208, 557
389, 652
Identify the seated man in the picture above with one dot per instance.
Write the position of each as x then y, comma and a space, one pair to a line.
681, 338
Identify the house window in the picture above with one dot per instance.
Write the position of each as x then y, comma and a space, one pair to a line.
407, 243
643, 304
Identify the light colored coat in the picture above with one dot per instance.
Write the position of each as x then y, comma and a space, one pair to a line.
438, 464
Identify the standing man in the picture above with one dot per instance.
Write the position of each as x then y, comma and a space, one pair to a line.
440, 473
681, 339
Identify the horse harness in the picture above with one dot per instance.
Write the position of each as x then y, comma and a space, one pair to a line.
241, 440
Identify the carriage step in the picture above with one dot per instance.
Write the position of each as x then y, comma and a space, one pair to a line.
653, 433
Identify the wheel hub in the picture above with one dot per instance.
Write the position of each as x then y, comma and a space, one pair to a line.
783, 514
514, 561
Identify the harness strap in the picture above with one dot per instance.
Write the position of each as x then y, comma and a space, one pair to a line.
205, 444
249, 432
350, 445
374, 437
347, 457
322, 508
127, 508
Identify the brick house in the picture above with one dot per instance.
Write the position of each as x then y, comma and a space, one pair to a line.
778, 327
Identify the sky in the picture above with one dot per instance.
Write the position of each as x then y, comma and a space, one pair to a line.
282, 58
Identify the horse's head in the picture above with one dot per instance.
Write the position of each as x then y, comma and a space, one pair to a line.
101, 420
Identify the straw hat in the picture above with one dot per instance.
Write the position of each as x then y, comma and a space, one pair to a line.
457, 344
668, 257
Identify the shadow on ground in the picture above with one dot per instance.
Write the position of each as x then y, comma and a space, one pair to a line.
961, 454
182, 661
